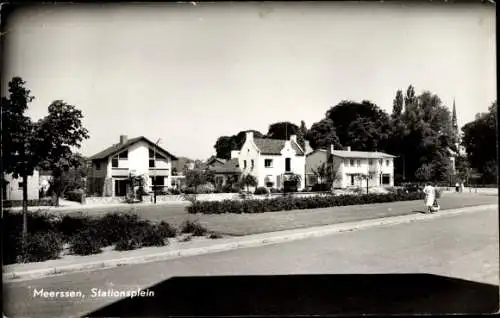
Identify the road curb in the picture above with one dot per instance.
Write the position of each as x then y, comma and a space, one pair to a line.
240, 242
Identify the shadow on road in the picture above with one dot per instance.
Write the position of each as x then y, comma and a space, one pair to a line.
309, 295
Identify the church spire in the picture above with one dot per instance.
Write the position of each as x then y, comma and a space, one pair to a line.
454, 117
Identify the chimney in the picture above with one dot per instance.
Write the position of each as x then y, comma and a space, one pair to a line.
235, 154
123, 139
249, 135
348, 148
293, 138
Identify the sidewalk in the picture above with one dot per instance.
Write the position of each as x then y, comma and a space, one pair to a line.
198, 246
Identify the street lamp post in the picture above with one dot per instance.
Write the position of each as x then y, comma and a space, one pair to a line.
154, 171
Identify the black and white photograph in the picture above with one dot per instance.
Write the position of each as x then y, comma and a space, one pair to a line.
190, 159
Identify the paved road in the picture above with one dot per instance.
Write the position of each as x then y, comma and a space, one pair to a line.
463, 246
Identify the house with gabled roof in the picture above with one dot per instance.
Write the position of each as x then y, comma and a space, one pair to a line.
111, 167
227, 173
271, 161
351, 168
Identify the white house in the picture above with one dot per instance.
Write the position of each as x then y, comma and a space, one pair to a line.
351, 166
13, 187
111, 167
271, 160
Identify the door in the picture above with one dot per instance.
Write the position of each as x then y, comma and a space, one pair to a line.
288, 164
120, 188
386, 179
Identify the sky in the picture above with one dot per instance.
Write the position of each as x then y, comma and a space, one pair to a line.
189, 73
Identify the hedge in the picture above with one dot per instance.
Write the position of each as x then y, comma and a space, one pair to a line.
294, 203
48, 233
75, 195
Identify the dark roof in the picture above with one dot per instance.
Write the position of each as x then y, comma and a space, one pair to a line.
231, 166
274, 146
214, 159
116, 148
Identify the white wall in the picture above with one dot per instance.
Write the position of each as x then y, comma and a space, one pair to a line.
250, 151
14, 192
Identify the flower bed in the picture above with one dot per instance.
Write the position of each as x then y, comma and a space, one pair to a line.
49, 234
295, 203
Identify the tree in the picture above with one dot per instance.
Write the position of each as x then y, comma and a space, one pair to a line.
248, 181
422, 134
327, 174
424, 173
301, 135
365, 135
195, 178
225, 144
371, 123
59, 132
410, 98
18, 156
398, 103
282, 130
72, 178
480, 142
322, 134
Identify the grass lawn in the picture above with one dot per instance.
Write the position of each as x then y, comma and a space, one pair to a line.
245, 224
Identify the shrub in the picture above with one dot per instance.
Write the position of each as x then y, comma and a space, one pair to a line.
70, 225
75, 195
194, 228
42, 247
175, 191
86, 242
320, 187
114, 226
166, 229
127, 244
261, 190
292, 203
215, 235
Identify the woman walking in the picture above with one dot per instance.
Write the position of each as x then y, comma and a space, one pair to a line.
430, 196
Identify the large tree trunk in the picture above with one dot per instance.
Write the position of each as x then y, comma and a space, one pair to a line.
25, 205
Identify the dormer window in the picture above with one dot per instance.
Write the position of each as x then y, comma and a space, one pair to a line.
123, 155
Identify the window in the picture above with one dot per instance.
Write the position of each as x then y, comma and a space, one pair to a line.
371, 162
244, 164
151, 153
346, 163
288, 164
151, 163
20, 185
380, 161
123, 155
97, 166
268, 163
114, 162
352, 162
387, 163
253, 164
358, 163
